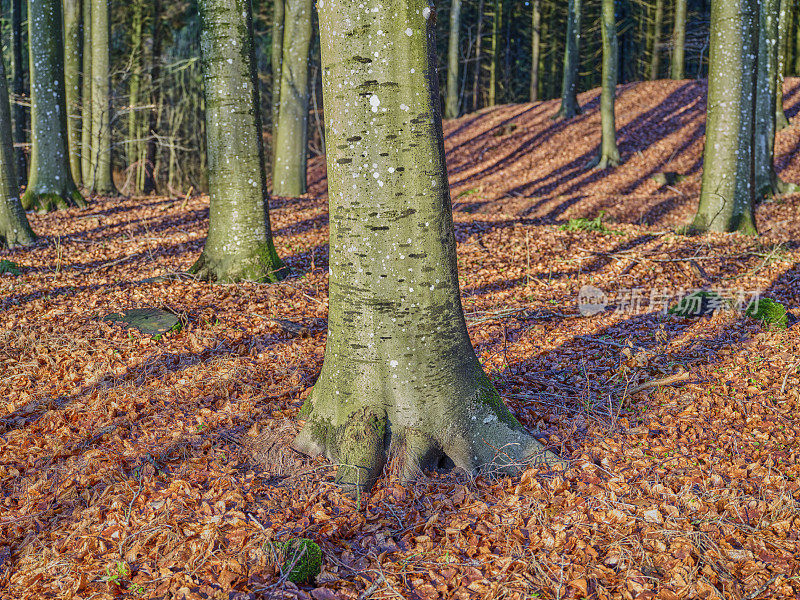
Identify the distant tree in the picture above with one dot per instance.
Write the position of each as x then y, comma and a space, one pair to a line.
396, 325
100, 179
569, 98
86, 96
497, 25
18, 79
50, 185
278, 16
678, 63
478, 50
655, 43
609, 153
727, 196
781, 121
73, 51
239, 244
151, 147
135, 147
291, 141
14, 227
451, 104
536, 45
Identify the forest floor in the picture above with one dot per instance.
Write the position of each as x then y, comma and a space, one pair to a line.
158, 468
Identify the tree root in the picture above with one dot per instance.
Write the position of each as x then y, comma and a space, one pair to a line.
47, 201
231, 271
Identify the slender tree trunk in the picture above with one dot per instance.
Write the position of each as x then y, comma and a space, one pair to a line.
797, 41
451, 108
101, 180
496, 28
50, 184
655, 56
73, 52
87, 147
396, 327
781, 121
609, 153
569, 98
14, 227
239, 244
476, 83
278, 17
18, 78
151, 148
536, 44
134, 145
678, 64
727, 195
291, 142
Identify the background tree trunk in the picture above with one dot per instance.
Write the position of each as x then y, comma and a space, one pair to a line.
239, 244
14, 227
727, 196
396, 324
73, 51
133, 143
278, 17
100, 180
50, 184
678, 63
609, 153
655, 56
18, 78
497, 21
781, 121
87, 151
451, 108
476, 81
151, 148
536, 44
291, 142
569, 98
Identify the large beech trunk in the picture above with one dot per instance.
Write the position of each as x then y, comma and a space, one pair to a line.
399, 372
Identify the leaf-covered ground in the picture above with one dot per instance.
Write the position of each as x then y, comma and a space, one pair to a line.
158, 468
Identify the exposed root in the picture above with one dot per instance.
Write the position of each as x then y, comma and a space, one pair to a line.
47, 201
231, 271
603, 162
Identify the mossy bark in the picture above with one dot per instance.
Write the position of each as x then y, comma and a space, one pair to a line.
50, 184
727, 195
536, 47
73, 52
100, 179
239, 246
18, 79
291, 142
451, 102
678, 62
609, 152
781, 121
399, 371
14, 227
569, 82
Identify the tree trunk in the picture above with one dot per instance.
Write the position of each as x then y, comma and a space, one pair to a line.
781, 121
497, 20
291, 142
727, 196
151, 149
50, 184
399, 372
239, 244
536, 47
73, 51
87, 152
134, 145
14, 227
451, 108
569, 98
609, 153
100, 179
476, 82
18, 78
655, 56
678, 64
278, 17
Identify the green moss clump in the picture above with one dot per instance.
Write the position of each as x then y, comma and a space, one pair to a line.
8, 267
596, 224
771, 313
488, 396
698, 303
301, 557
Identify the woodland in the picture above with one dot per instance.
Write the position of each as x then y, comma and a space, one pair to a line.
484, 299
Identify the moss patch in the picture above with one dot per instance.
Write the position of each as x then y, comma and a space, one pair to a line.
8, 267
698, 304
772, 314
300, 557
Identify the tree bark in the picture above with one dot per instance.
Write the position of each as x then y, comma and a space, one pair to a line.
497, 20
73, 52
400, 373
134, 144
87, 164
451, 108
100, 180
609, 153
655, 56
50, 184
781, 121
14, 227
239, 245
476, 82
291, 142
18, 78
727, 195
278, 17
678, 64
149, 183
536, 47
569, 98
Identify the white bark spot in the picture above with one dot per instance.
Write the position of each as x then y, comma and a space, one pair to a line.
409, 32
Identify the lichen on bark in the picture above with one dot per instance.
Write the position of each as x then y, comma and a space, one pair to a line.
399, 373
